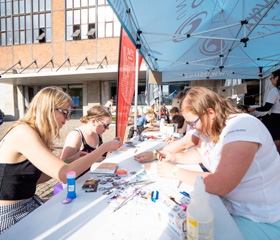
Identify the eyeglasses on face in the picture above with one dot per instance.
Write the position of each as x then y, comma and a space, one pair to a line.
65, 112
272, 77
104, 124
192, 123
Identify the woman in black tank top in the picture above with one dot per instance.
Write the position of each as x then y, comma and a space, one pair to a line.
33, 136
87, 137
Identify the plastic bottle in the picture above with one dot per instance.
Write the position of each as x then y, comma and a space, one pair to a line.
161, 125
200, 217
71, 184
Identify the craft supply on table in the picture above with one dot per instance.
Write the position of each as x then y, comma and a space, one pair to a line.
71, 184
200, 217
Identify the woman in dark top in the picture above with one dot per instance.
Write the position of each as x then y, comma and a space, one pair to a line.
26, 157
272, 104
87, 137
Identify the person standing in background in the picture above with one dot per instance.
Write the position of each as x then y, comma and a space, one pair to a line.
273, 103
109, 105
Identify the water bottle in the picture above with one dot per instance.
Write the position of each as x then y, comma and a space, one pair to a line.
200, 217
71, 184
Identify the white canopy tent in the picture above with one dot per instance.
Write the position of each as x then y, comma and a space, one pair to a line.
199, 39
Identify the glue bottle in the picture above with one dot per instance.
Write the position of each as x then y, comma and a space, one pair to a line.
200, 217
71, 184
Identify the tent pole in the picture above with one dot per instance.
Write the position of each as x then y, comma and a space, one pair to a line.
136, 92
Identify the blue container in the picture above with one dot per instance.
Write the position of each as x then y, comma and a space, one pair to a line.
71, 184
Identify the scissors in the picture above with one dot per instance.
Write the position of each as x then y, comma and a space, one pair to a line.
136, 192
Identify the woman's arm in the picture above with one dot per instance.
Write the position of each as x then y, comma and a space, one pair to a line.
188, 141
228, 174
265, 108
72, 145
28, 143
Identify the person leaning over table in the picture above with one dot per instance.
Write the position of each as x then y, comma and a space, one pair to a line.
242, 160
26, 157
147, 119
273, 103
87, 137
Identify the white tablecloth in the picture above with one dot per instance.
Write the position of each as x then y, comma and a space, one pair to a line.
89, 216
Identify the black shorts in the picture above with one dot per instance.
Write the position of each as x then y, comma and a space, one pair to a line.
274, 126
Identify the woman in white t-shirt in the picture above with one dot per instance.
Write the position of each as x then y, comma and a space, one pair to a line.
273, 103
243, 163
109, 105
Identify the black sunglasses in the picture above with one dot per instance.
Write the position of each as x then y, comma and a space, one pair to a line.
104, 124
65, 112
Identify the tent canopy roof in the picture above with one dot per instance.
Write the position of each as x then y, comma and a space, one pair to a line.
199, 39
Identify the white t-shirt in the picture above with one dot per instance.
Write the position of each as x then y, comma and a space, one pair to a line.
257, 196
274, 98
108, 104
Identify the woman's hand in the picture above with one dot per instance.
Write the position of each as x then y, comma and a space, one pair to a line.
169, 140
251, 109
165, 169
118, 139
166, 156
112, 145
144, 157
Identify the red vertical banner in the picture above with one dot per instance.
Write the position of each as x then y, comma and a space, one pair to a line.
126, 81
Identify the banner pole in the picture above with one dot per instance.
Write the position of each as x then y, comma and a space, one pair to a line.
118, 82
136, 92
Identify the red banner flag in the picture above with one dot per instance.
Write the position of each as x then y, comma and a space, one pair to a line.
126, 81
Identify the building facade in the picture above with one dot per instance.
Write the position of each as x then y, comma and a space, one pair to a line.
73, 44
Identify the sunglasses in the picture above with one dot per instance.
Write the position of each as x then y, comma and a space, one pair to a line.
65, 112
192, 123
104, 124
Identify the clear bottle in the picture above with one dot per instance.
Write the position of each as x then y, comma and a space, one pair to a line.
71, 184
200, 217
161, 125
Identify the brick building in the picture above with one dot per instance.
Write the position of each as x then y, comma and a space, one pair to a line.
73, 44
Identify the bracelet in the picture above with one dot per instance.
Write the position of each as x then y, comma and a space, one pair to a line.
155, 155
174, 172
66, 161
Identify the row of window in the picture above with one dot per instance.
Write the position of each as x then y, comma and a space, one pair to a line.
30, 21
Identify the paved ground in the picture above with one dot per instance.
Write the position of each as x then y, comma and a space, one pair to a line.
45, 190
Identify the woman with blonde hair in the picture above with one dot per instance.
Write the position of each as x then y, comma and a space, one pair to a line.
87, 137
241, 158
26, 157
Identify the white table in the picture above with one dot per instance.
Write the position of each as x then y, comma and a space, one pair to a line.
88, 217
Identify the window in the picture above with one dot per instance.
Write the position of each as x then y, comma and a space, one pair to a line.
42, 31
94, 21
5, 22
16, 18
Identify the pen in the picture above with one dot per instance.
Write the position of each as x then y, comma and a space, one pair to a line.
180, 182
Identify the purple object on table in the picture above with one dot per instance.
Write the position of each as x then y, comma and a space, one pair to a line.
57, 188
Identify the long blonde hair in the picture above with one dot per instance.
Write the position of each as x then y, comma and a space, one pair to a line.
198, 100
40, 114
94, 112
